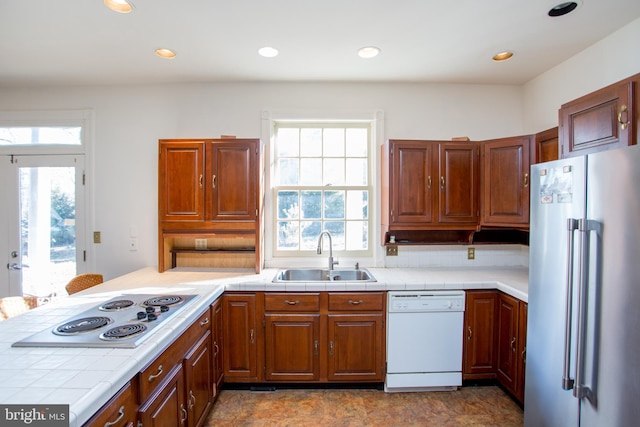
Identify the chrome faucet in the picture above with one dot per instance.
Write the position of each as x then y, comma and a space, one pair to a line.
332, 263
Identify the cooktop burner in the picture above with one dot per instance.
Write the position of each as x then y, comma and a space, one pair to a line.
123, 332
124, 321
116, 305
84, 324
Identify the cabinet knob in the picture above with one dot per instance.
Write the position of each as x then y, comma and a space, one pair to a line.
442, 182
526, 180
513, 342
469, 331
156, 375
623, 123
117, 420
291, 302
213, 181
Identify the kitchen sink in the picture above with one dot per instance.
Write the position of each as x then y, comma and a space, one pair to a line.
323, 275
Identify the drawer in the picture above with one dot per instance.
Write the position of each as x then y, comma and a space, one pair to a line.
292, 302
155, 372
356, 301
120, 411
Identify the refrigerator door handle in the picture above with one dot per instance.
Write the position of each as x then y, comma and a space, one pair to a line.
580, 390
567, 381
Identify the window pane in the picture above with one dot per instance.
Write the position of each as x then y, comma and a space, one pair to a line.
356, 171
311, 204
41, 136
288, 235
288, 205
357, 235
334, 204
310, 142
311, 171
333, 143
333, 171
288, 145
288, 171
357, 204
337, 235
357, 142
310, 232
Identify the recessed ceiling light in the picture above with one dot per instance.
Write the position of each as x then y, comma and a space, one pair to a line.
268, 52
502, 56
368, 52
165, 53
563, 8
122, 6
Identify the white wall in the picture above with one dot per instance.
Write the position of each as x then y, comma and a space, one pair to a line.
613, 58
129, 120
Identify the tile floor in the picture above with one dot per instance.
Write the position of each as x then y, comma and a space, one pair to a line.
470, 406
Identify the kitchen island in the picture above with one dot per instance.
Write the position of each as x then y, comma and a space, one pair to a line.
86, 378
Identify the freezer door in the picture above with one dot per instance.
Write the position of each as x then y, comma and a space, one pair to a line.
557, 194
612, 344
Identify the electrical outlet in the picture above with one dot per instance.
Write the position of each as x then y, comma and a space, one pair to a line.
471, 253
201, 243
96, 237
392, 250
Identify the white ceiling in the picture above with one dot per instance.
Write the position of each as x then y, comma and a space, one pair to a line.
45, 42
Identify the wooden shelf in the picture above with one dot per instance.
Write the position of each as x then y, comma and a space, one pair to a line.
176, 251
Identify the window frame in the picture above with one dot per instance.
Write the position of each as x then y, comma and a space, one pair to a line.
369, 188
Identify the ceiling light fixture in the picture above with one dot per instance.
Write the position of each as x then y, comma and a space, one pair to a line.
368, 52
121, 6
165, 53
502, 56
562, 9
268, 52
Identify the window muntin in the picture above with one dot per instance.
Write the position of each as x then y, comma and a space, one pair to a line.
322, 182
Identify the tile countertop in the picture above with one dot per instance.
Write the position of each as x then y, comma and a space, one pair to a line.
86, 378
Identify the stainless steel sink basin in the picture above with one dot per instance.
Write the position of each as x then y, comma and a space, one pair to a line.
323, 275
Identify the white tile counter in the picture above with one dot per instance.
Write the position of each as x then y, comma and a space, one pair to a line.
86, 378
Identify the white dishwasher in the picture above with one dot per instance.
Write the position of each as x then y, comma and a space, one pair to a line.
424, 340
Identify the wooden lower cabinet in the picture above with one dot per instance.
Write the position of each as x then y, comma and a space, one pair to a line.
522, 350
356, 351
480, 328
121, 410
217, 331
508, 311
197, 368
240, 337
166, 407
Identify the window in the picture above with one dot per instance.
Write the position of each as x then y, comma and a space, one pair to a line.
28, 135
322, 182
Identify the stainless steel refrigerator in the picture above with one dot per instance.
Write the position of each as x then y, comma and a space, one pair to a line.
583, 340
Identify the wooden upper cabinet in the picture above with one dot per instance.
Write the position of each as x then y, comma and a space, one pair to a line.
232, 168
412, 181
181, 180
545, 147
602, 120
458, 183
505, 184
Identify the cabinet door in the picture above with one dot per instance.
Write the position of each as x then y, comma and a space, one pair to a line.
240, 337
355, 350
522, 350
181, 181
479, 350
546, 146
217, 343
507, 342
506, 181
233, 180
412, 179
166, 407
602, 120
458, 183
197, 368
292, 347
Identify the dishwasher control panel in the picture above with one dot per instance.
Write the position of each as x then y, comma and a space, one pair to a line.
424, 301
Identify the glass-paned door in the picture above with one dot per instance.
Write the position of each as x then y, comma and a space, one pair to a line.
43, 209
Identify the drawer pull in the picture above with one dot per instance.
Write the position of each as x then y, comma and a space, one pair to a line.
291, 302
117, 420
204, 322
352, 302
184, 411
156, 375
192, 400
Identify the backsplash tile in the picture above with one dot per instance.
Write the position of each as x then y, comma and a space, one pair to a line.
456, 256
